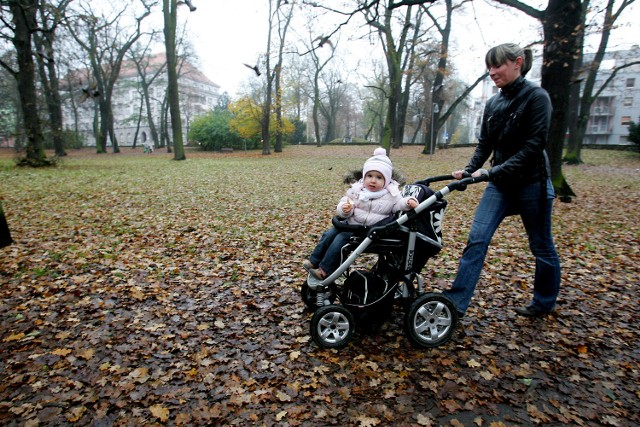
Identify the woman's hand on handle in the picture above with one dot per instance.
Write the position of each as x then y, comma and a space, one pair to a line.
459, 174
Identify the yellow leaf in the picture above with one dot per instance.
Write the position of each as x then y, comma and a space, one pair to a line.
424, 420
61, 351
140, 375
159, 412
284, 397
281, 415
87, 354
137, 293
75, 414
472, 363
486, 375
14, 337
294, 355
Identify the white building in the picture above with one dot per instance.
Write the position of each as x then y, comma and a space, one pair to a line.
619, 102
198, 95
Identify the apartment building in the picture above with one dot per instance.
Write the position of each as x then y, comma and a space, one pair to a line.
198, 95
619, 103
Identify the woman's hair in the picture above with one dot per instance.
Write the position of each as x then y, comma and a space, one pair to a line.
498, 55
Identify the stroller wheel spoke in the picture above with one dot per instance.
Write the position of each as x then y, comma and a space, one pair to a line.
430, 321
332, 326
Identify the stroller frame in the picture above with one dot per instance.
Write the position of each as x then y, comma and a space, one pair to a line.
430, 318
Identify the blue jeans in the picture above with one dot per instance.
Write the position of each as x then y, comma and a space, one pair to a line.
327, 254
494, 206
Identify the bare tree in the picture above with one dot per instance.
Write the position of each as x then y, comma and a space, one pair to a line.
284, 15
318, 66
170, 9
559, 20
393, 51
21, 25
106, 42
51, 16
147, 76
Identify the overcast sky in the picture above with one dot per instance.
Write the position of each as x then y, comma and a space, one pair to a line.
228, 33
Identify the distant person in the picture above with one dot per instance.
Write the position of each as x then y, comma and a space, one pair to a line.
368, 201
515, 127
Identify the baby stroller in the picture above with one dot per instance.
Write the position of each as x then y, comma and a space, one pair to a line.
401, 249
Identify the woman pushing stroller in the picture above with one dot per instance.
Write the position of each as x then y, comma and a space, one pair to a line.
370, 200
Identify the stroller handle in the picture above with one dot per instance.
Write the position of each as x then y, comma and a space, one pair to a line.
459, 185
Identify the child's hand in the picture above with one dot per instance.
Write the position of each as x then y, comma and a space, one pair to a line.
347, 207
412, 203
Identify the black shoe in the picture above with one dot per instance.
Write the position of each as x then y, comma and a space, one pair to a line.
531, 312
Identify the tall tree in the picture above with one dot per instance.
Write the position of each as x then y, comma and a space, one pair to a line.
284, 20
50, 18
561, 23
393, 50
23, 24
148, 72
318, 65
170, 10
106, 41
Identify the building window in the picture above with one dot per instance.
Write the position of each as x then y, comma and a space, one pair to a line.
628, 101
625, 121
631, 82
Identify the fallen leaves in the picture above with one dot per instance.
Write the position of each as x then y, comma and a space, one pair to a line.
160, 299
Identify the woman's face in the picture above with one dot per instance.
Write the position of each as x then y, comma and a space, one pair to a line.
506, 73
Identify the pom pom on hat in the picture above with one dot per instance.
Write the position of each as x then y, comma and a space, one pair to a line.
381, 163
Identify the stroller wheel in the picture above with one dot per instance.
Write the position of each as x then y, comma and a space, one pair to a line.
332, 326
431, 320
309, 296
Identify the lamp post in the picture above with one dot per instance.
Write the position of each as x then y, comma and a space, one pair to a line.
435, 110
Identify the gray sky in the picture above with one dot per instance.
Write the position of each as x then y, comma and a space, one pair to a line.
228, 33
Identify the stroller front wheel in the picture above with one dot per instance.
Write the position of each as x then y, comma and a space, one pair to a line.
332, 326
431, 320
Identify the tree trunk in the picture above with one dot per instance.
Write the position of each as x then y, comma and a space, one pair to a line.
170, 19
561, 19
24, 20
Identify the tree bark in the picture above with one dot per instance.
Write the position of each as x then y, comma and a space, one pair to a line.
24, 20
170, 22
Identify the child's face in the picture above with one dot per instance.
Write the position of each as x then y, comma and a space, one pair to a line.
374, 181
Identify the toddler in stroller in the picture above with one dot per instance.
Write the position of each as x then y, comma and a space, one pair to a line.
370, 201
347, 296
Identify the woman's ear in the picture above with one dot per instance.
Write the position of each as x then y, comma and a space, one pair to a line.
519, 61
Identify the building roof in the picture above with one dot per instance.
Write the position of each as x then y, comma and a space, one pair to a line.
156, 60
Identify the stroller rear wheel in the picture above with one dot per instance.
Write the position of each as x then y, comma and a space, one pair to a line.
332, 326
431, 320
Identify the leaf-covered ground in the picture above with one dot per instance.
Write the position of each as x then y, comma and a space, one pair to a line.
145, 291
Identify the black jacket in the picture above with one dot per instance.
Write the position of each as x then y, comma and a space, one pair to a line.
515, 126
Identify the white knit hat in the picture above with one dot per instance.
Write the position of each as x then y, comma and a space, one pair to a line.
381, 163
